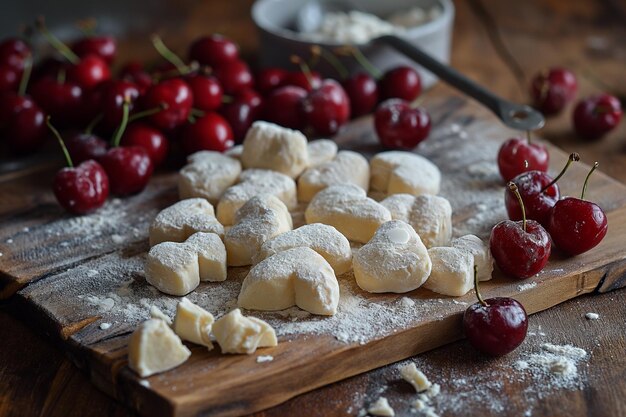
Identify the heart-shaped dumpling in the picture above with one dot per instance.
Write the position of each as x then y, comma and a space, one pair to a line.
177, 268
321, 151
480, 251
322, 238
397, 172
253, 182
207, 175
346, 168
395, 260
260, 219
347, 208
181, 220
298, 276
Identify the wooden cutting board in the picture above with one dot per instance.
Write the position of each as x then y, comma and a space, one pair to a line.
70, 275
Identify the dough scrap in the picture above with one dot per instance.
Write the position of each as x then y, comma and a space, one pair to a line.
323, 239
321, 151
480, 251
260, 219
396, 172
238, 334
395, 260
452, 273
154, 348
207, 175
346, 168
182, 219
415, 377
270, 146
193, 323
253, 182
298, 276
349, 210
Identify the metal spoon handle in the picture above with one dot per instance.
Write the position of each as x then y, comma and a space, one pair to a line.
516, 116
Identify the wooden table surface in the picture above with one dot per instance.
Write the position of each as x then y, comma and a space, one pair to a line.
500, 44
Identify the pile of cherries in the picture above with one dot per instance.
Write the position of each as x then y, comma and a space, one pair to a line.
127, 124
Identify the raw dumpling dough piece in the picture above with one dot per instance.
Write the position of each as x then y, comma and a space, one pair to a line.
398, 172
193, 323
349, 210
269, 146
395, 260
260, 219
238, 334
323, 239
235, 152
430, 216
207, 175
480, 251
154, 348
253, 182
181, 220
346, 168
211, 256
321, 151
298, 276
452, 273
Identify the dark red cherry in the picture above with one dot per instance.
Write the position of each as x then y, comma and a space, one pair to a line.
596, 116
49, 67
89, 72
9, 78
134, 72
83, 146
234, 76
129, 169
269, 79
112, 100
209, 132
242, 112
149, 138
399, 126
176, 95
103, 46
326, 108
553, 89
284, 107
214, 50
401, 82
309, 80
363, 93
26, 131
517, 156
11, 103
13, 52
82, 189
63, 101
207, 92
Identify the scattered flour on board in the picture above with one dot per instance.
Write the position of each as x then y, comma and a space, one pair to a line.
264, 358
525, 287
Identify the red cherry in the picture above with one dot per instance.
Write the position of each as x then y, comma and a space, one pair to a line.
11, 103
283, 107
242, 112
134, 72
326, 108
596, 116
112, 100
9, 78
399, 126
363, 93
235, 76
82, 189
213, 50
209, 132
149, 138
83, 146
553, 90
520, 249
26, 131
577, 225
309, 80
129, 169
401, 82
103, 46
13, 52
269, 79
89, 72
49, 67
518, 155
207, 92
176, 95
63, 101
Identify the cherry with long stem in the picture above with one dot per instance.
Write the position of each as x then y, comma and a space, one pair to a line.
593, 168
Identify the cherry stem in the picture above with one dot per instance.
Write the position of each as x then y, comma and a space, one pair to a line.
513, 187
56, 42
331, 58
63, 147
197, 112
28, 67
528, 136
90, 127
573, 157
117, 137
146, 113
480, 297
304, 67
593, 168
170, 56
227, 99
362, 60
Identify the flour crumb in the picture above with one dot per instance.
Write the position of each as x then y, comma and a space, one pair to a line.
415, 377
117, 239
105, 326
9, 241
264, 358
592, 316
568, 351
525, 287
92, 273
407, 302
381, 408
144, 383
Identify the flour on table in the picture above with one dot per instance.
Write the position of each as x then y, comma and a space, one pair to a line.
592, 316
526, 287
104, 326
264, 358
